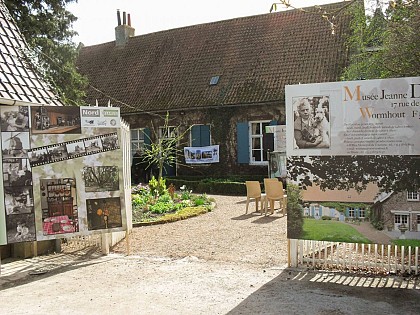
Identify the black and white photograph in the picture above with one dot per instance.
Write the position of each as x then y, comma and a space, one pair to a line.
101, 178
15, 144
14, 118
93, 145
311, 122
104, 213
76, 148
58, 152
55, 119
17, 172
39, 156
20, 228
110, 142
18, 200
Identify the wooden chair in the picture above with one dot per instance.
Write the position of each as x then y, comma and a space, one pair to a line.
253, 191
274, 192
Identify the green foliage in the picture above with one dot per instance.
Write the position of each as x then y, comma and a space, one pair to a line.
325, 217
389, 172
157, 187
47, 28
164, 149
211, 186
377, 224
150, 206
412, 243
333, 231
386, 43
294, 212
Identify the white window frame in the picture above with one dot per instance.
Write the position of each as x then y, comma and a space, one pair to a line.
264, 160
362, 213
352, 213
167, 132
138, 141
413, 196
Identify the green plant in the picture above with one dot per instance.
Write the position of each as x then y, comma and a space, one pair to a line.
157, 186
325, 217
294, 212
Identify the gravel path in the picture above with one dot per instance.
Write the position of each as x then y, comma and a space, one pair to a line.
225, 234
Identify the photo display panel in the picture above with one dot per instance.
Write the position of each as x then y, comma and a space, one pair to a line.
353, 156
58, 164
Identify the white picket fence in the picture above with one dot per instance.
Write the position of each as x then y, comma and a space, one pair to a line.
374, 258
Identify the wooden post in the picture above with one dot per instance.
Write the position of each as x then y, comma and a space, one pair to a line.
293, 253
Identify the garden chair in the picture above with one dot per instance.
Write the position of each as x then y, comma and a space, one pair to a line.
253, 191
274, 192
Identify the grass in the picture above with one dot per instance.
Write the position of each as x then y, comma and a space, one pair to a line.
412, 243
326, 230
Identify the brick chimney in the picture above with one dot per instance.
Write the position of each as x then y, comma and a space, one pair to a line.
123, 31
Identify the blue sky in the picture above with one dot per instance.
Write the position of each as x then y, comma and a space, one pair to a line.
97, 19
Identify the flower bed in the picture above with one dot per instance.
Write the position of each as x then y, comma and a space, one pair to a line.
154, 203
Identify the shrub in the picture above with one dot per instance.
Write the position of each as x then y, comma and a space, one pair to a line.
325, 217
294, 212
157, 187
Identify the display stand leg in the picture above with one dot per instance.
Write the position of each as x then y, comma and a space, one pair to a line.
105, 243
127, 239
35, 248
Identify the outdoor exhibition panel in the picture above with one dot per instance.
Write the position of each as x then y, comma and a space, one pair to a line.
352, 146
62, 172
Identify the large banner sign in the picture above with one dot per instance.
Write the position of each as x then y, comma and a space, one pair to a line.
353, 156
354, 118
62, 172
201, 155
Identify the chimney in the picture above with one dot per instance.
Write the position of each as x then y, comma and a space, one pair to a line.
123, 31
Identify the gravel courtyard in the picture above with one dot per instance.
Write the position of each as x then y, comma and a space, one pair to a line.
222, 262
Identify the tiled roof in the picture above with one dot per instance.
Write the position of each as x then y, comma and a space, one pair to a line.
315, 194
254, 56
19, 82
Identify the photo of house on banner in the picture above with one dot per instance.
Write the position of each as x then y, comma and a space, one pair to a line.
201, 155
351, 209
363, 188
55, 119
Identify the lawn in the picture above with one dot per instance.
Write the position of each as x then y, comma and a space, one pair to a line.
334, 231
412, 243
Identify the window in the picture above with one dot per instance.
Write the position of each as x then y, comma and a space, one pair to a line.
401, 218
167, 132
256, 132
200, 136
351, 213
137, 140
413, 196
362, 212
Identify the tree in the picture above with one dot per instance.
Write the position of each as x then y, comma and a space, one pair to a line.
385, 44
389, 172
164, 151
47, 28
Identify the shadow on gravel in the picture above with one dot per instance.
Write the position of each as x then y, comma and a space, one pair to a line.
327, 293
16, 272
247, 216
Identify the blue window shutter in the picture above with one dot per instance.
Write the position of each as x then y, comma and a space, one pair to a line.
147, 140
195, 136
205, 135
242, 138
347, 212
200, 136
